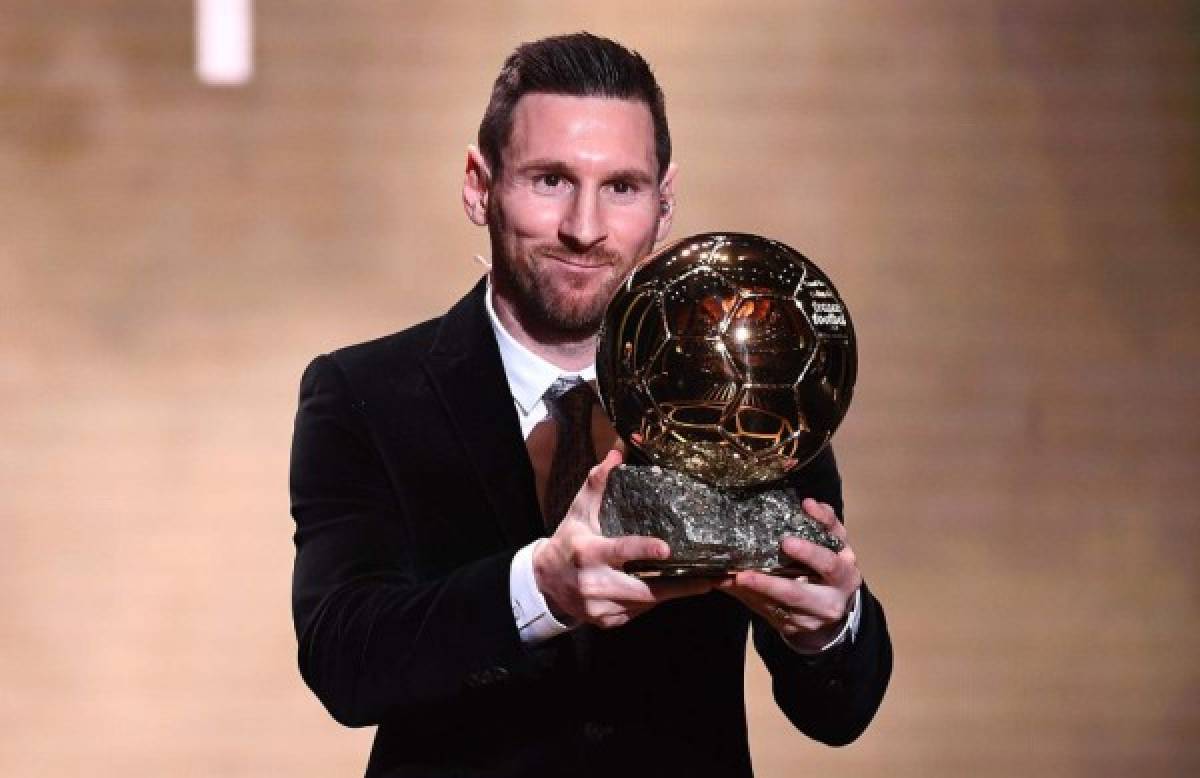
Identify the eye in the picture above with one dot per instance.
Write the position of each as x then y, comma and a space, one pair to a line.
623, 191
548, 183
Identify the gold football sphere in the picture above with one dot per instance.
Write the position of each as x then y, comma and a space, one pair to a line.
728, 356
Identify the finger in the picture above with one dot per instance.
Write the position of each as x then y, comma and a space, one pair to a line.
614, 457
590, 494
838, 530
618, 587
732, 584
597, 477
769, 587
788, 619
821, 512
633, 547
635, 595
825, 563
803, 607
838, 570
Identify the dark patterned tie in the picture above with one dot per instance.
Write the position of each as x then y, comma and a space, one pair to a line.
569, 400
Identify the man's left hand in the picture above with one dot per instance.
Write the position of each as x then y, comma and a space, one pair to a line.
809, 611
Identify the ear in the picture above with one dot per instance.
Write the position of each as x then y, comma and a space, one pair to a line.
666, 202
476, 182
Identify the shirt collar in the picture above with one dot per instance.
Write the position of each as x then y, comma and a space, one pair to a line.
529, 376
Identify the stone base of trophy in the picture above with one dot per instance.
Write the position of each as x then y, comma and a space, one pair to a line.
712, 532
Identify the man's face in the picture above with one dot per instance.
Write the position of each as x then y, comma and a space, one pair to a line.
577, 203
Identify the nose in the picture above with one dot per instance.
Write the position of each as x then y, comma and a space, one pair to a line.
582, 227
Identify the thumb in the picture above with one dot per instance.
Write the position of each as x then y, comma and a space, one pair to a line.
598, 475
613, 458
597, 480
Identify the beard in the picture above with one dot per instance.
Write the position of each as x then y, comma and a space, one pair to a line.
546, 301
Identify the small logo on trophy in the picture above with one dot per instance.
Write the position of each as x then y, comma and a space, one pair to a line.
726, 361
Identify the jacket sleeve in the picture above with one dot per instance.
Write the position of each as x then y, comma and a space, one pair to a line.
832, 696
375, 640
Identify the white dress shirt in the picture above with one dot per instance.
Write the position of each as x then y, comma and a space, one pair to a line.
529, 376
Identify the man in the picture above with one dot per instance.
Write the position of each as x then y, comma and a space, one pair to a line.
444, 592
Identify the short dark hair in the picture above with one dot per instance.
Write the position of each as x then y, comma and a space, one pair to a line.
577, 65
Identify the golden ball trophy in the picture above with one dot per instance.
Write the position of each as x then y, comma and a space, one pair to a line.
726, 362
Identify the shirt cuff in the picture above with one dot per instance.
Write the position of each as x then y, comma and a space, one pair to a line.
849, 629
535, 622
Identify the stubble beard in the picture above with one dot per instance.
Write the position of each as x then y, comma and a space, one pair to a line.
546, 306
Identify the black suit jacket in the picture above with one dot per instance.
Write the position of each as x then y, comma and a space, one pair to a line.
412, 489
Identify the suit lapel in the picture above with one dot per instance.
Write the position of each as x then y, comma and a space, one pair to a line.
465, 370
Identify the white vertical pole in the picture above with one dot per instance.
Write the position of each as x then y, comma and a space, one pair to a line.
224, 41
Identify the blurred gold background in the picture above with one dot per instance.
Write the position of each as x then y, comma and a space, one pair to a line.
1005, 192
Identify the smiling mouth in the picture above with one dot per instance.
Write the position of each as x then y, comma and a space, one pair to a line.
584, 262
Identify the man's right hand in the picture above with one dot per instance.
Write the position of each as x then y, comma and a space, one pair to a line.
579, 571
